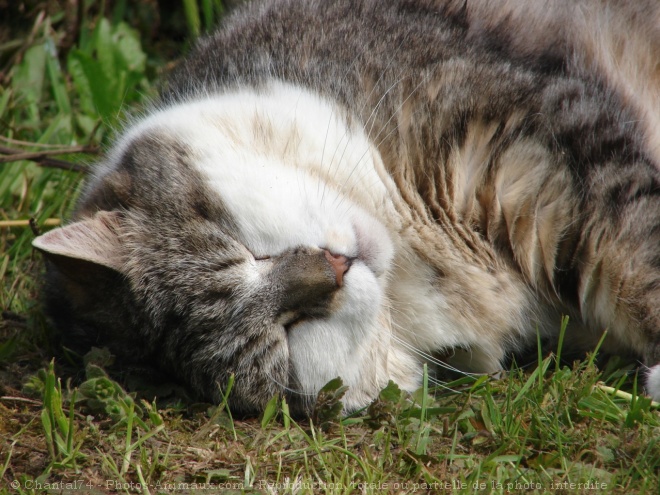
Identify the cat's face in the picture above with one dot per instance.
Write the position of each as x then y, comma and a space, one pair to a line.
242, 254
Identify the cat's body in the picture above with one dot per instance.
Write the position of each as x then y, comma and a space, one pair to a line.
354, 188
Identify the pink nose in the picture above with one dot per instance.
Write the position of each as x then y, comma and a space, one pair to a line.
339, 263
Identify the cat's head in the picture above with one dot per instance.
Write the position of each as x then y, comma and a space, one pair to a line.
217, 240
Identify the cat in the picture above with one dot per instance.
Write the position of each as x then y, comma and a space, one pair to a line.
355, 188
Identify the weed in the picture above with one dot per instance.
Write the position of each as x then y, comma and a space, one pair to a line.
59, 428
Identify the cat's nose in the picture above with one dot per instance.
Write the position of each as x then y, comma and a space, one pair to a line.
339, 263
308, 277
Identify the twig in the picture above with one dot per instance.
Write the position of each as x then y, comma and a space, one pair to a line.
43, 158
49, 222
10, 315
20, 142
13, 320
13, 155
22, 399
54, 163
62, 165
621, 393
40, 403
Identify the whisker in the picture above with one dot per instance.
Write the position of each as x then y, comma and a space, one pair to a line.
364, 104
432, 359
286, 388
377, 145
366, 48
372, 115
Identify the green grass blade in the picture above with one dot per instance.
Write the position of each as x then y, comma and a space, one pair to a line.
560, 344
192, 17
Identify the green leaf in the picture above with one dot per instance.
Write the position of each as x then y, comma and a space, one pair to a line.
154, 416
506, 459
87, 124
58, 131
108, 69
28, 79
382, 411
270, 411
328, 407
96, 359
103, 87
81, 82
216, 475
391, 393
104, 50
93, 371
130, 56
207, 10
286, 415
430, 412
56, 78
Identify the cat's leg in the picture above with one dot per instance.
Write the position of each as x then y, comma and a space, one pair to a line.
478, 359
590, 237
618, 261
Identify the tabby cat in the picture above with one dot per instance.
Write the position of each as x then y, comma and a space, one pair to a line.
354, 188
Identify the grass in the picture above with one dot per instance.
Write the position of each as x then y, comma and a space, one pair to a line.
557, 427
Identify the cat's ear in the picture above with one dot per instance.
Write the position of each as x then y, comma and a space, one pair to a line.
94, 240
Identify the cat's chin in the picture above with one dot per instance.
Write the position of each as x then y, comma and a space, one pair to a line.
351, 343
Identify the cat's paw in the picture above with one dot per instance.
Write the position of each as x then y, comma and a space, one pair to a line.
653, 382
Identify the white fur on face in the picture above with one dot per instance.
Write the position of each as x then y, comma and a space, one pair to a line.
291, 185
282, 163
292, 173
351, 343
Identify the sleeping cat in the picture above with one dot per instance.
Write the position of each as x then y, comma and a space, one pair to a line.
341, 188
